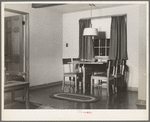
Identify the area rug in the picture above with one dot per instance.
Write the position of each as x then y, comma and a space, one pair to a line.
75, 97
42, 106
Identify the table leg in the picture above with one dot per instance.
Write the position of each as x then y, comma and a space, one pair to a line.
13, 95
75, 84
27, 97
83, 79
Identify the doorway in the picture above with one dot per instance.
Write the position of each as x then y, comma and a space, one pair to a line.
16, 50
17, 42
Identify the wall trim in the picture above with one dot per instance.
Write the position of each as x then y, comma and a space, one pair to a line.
67, 82
15, 11
132, 89
141, 102
45, 85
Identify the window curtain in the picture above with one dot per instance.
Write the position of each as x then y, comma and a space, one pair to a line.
118, 39
86, 47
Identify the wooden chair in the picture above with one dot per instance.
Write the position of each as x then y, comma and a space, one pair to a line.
104, 78
74, 73
119, 74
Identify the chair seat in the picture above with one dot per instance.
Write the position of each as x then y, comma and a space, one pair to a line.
119, 75
97, 73
72, 74
102, 77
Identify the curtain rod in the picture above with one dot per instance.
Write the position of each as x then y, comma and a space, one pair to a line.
107, 16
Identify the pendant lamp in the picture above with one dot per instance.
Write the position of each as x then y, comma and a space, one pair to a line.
90, 31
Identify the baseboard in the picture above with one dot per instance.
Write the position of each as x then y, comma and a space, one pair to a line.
45, 85
141, 102
132, 89
67, 82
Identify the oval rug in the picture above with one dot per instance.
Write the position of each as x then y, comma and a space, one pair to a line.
75, 97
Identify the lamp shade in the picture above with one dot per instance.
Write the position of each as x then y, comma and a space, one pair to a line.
90, 32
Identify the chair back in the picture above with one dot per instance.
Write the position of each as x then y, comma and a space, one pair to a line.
108, 69
120, 68
111, 68
123, 67
69, 66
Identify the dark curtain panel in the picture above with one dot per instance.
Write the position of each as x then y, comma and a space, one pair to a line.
118, 38
124, 54
86, 48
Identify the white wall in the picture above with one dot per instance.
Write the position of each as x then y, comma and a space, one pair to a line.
102, 24
45, 44
71, 35
142, 91
8, 14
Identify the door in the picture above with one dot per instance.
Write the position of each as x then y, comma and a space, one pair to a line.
14, 43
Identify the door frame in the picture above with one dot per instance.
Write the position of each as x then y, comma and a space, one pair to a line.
26, 39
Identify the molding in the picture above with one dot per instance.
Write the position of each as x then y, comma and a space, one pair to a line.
44, 5
132, 89
15, 11
141, 102
67, 82
45, 85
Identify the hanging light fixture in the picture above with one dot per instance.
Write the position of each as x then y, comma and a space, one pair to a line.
90, 31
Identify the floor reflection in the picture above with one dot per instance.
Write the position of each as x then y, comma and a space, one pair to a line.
121, 100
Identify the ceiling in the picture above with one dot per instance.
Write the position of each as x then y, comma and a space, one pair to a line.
68, 8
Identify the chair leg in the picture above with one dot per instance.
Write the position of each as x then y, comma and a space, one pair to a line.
63, 84
82, 86
79, 80
123, 83
108, 87
75, 84
116, 80
70, 78
113, 86
13, 95
27, 97
92, 86
121, 80
99, 87
78, 83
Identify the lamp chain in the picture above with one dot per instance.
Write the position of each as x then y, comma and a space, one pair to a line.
91, 8
91, 13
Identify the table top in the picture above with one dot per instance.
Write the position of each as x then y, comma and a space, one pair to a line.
86, 62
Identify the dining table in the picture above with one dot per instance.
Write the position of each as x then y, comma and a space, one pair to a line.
88, 69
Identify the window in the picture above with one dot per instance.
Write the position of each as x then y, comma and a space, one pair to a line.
102, 41
101, 47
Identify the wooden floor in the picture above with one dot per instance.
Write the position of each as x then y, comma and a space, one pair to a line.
121, 100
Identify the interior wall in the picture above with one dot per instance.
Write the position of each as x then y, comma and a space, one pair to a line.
102, 24
143, 54
8, 14
45, 30
71, 35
